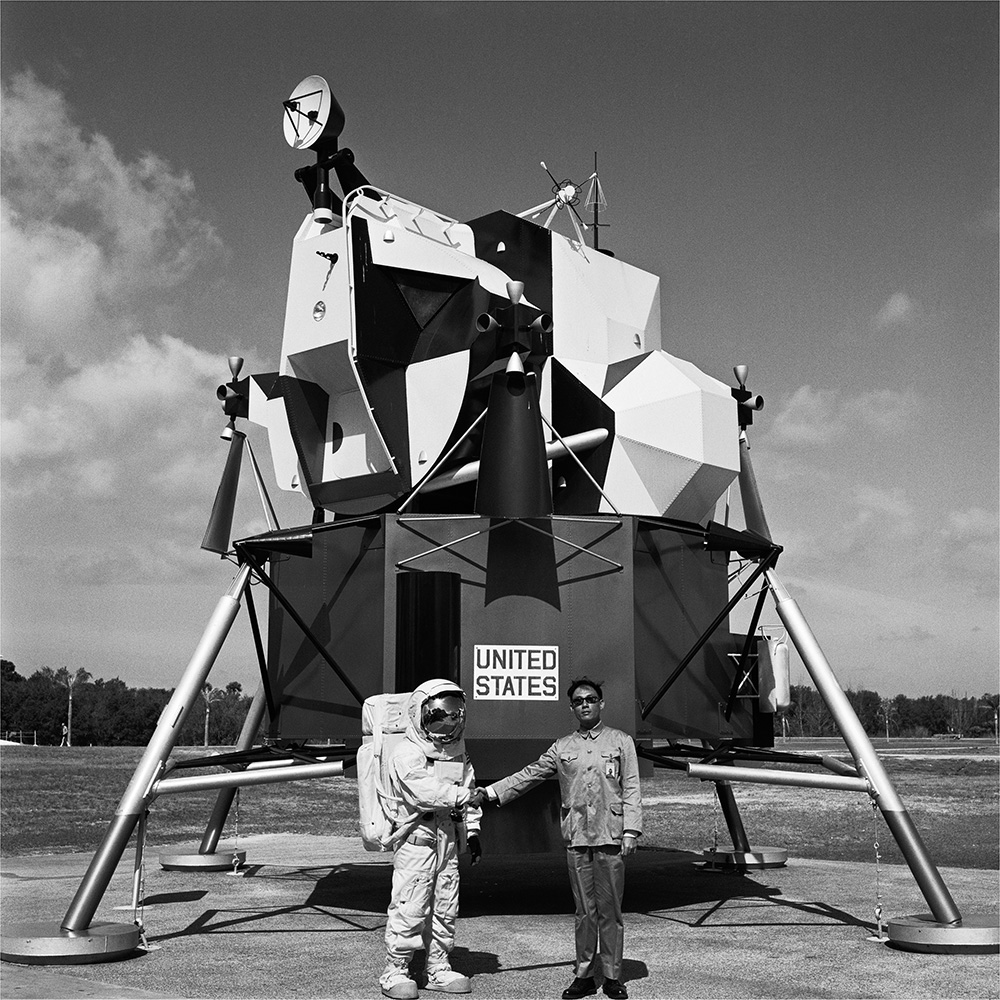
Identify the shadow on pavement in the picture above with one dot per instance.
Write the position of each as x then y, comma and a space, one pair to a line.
671, 886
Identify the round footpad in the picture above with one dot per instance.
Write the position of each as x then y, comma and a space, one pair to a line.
219, 861
759, 857
44, 942
975, 934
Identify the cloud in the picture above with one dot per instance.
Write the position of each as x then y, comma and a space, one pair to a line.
88, 240
130, 419
969, 547
818, 417
109, 424
898, 309
915, 633
987, 220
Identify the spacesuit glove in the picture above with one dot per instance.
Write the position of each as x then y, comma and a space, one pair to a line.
475, 848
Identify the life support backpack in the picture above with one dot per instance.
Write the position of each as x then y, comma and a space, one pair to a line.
383, 725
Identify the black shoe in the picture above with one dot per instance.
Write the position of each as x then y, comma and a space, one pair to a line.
613, 988
580, 988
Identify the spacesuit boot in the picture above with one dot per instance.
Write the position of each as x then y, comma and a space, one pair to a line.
444, 979
396, 982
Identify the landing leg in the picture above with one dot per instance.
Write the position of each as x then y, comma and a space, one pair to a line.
208, 858
740, 854
78, 939
944, 929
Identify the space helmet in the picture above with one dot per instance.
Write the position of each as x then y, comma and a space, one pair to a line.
442, 716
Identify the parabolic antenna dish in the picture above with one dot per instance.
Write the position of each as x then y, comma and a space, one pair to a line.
312, 116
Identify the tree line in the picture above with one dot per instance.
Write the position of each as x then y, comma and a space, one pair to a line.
901, 716
110, 713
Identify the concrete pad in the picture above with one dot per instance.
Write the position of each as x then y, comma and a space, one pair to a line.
307, 920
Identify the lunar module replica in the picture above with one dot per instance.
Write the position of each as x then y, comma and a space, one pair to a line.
512, 485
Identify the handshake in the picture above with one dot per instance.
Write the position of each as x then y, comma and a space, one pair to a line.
479, 798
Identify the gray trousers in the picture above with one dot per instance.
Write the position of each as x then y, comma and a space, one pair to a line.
597, 875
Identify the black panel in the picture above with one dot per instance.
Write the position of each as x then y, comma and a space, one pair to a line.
617, 371
428, 628
679, 590
453, 326
386, 328
385, 387
339, 594
529, 824
574, 409
425, 293
527, 255
521, 561
513, 477
268, 383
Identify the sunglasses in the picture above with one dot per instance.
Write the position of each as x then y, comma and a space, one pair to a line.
590, 699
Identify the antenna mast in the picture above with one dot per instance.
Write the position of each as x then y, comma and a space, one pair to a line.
595, 198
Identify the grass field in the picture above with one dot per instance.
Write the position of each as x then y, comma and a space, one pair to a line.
60, 800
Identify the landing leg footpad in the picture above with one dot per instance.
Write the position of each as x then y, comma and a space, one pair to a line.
975, 934
45, 942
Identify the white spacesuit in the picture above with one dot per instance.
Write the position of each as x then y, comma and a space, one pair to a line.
429, 774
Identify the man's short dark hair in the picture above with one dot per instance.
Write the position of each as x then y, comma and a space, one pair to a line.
584, 682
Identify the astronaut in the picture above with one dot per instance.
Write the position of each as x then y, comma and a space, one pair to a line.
429, 774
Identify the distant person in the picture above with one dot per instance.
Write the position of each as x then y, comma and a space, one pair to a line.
601, 821
429, 774
65, 735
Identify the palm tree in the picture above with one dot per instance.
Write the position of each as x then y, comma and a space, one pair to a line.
211, 694
887, 709
68, 680
992, 701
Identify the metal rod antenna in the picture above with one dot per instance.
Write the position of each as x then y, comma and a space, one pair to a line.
586, 472
261, 660
579, 548
137, 795
265, 499
306, 631
706, 635
437, 465
454, 541
741, 667
597, 224
224, 800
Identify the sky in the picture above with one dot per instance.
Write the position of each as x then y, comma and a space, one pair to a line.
815, 184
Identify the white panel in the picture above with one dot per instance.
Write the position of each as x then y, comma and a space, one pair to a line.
587, 292
653, 338
720, 428
407, 216
327, 366
434, 393
672, 425
696, 502
623, 340
311, 280
625, 486
656, 378
279, 439
357, 449
664, 474
703, 381
416, 253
